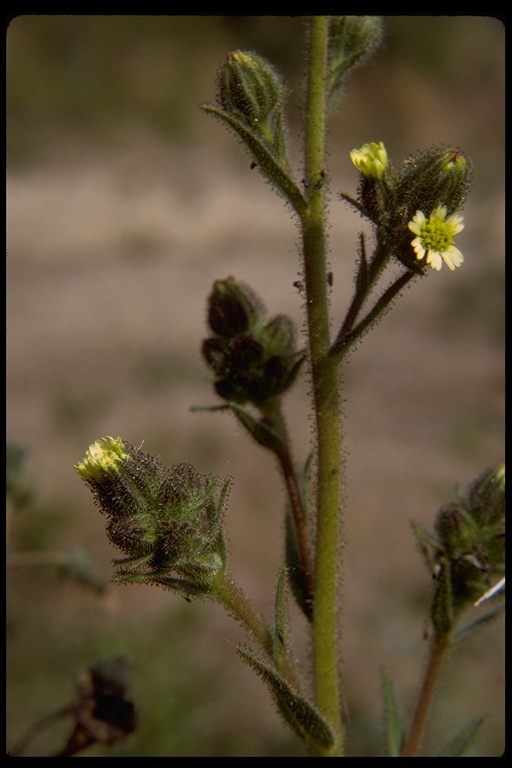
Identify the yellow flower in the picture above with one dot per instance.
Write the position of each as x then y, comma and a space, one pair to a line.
106, 453
371, 160
435, 237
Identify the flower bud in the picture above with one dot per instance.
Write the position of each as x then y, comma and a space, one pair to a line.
371, 160
279, 336
438, 176
232, 308
167, 521
377, 180
486, 497
352, 39
468, 552
250, 89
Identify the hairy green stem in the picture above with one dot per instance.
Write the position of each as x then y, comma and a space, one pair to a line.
347, 337
240, 608
324, 374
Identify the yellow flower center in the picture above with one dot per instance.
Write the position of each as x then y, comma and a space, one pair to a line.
436, 235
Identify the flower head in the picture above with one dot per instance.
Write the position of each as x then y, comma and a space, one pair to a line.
103, 455
167, 521
435, 235
371, 160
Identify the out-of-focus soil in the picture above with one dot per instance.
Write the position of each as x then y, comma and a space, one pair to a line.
110, 260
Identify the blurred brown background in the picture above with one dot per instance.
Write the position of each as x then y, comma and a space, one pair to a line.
125, 203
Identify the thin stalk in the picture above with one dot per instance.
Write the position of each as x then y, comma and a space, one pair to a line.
438, 654
301, 525
324, 375
240, 608
375, 268
38, 727
345, 340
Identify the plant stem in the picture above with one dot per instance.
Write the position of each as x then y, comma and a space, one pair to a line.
346, 338
240, 608
324, 375
438, 654
301, 526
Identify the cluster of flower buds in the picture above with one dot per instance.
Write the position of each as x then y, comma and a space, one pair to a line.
467, 555
167, 521
253, 360
425, 195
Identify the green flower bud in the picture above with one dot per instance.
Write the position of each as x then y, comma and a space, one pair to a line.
438, 176
468, 553
352, 39
232, 308
167, 521
486, 497
250, 89
279, 336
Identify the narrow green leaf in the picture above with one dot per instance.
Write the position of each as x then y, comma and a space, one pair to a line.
394, 726
466, 632
280, 626
464, 739
266, 162
357, 205
80, 568
442, 604
362, 272
296, 575
260, 431
296, 710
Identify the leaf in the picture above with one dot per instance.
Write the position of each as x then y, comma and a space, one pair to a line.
280, 626
296, 574
394, 726
442, 604
265, 160
357, 205
260, 431
299, 713
463, 740
80, 568
362, 272
463, 634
